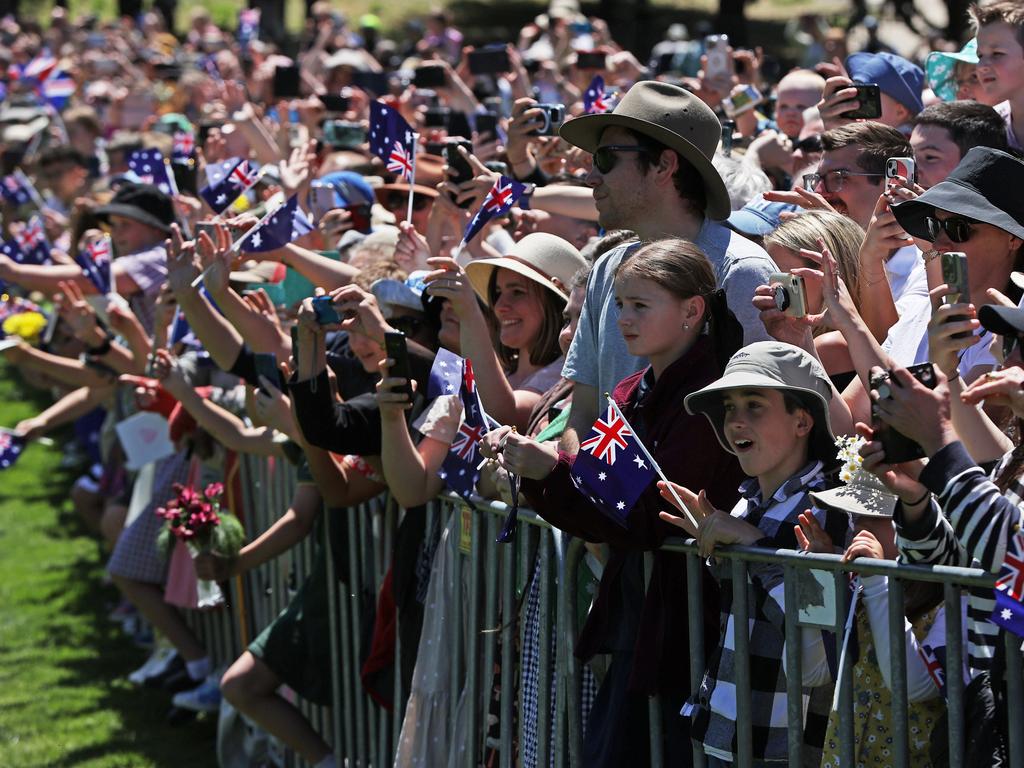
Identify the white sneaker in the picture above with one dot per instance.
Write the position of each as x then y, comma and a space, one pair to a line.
205, 697
156, 664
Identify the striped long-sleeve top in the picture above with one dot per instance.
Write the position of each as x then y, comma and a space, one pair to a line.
970, 527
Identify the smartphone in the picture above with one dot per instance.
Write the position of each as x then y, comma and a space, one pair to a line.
343, 134
286, 82
954, 274
437, 117
435, 148
591, 60
719, 64
209, 227
869, 97
897, 446
397, 350
554, 116
489, 61
372, 82
265, 364
728, 131
901, 166
487, 125
334, 102
323, 198
790, 293
743, 101
496, 166
326, 314
460, 169
458, 124
430, 76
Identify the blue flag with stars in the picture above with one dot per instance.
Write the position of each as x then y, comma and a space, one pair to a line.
149, 166
227, 181
595, 100
445, 374
611, 469
392, 140
15, 192
285, 225
499, 200
30, 245
96, 264
1009, 610
11, 446
460, 468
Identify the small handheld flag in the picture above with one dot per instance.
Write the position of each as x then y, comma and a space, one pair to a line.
460, 469
595, 100
284, 225
14, 191
151, 168
97, 264
393, 140
183, 147
11, 446
499, 200
227, 182
30, 245
1009, 589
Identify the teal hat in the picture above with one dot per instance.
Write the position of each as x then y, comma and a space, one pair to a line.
940, 67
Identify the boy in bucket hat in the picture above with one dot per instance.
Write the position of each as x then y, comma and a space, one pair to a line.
770, 409
652, 174
139, 217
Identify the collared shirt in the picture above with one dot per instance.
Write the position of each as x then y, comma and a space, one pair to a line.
713, 707
148, 269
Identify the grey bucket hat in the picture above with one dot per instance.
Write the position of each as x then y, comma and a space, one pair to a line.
771, 365
863, 495
671, 115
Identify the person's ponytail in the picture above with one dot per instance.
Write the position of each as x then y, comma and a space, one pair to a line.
725, 330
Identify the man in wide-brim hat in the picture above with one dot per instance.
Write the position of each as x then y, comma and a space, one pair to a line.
652, 174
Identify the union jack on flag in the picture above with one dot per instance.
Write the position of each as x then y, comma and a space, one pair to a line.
935, 662
58, 89
228, 181
30, 245
183, 147
460, 467
393, 140
611, 468
1011, 575
499, 200
595, 100
15, 192
97, 264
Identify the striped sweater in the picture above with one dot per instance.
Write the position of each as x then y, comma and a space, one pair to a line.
971, 530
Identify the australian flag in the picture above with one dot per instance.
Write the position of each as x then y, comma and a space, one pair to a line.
15, 191
149, 166
595, 100
499, 200
228, 181
248, 26
183, 147
96, 264
1009, 610
285, 225
935, 662
459, 470
392, 140
11, 446
58, 89
30, 245
445, 374
611, 469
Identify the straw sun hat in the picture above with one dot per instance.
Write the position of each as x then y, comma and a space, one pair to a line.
540, 257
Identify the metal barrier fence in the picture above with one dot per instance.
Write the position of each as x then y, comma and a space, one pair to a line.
489, 578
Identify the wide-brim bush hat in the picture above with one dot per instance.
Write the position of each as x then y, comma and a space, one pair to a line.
671, 115
985, 186
940, 69
864, 495
545, 259
771, 365
140, 202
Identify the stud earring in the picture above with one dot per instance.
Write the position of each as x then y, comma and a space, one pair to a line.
686, 327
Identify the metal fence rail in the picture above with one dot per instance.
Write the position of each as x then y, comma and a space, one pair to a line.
490, 582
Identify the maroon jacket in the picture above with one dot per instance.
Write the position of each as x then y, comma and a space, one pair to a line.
688, 452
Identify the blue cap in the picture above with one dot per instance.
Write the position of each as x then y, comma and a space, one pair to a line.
350, 186
896, 77
759, 216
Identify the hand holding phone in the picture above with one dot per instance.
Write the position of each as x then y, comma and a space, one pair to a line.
954, 274
790, 293
398, 351
265, 364
897, 446
869, 102
326, 312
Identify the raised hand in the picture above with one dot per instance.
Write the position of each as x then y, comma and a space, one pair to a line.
448, 280
811, 536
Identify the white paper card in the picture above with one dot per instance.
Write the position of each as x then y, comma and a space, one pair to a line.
144, 439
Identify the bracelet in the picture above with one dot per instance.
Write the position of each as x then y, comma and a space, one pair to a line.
102, 349
915, 503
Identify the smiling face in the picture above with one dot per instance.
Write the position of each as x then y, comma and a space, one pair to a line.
518, 305
857, 195
770, 442
990, 255
651, 320
1000, 59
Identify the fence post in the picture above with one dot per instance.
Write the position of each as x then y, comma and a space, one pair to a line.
565, 658
794, 670
898, 667
695, 610
544, 652
954, 676
741, 633
1014, 697
509, 623
845, 681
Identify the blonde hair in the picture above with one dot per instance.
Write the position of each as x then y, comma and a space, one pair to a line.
842, 235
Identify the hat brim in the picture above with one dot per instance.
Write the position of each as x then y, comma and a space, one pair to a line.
957, 198
747, 223
585, 132
708, 401
479, 272
133, 212
1001, 320
418, 189
857, 498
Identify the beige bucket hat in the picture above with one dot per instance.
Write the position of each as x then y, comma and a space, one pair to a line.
671, 115
863, 495
543, 258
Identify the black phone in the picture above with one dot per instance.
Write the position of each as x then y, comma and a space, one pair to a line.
487, 124
437, 117
489, 61
265, 364
869, 98
334, 102
591, 60
458, 124
435, 148
897, 446
326, 314
286, 82
373, 82
460, 170
397, 350
430, 76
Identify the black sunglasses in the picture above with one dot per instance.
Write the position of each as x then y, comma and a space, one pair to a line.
957, 228
605, 157
395, 200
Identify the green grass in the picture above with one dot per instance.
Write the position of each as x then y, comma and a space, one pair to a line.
64, 699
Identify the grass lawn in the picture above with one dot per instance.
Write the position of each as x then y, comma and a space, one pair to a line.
64, 699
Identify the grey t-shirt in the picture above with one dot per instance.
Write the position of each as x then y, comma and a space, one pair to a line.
598, 355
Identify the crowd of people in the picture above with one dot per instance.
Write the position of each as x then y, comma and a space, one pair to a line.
698, 296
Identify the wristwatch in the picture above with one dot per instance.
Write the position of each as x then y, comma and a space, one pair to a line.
524, 199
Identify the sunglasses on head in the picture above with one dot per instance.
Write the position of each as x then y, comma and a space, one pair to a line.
606, 157
957, 228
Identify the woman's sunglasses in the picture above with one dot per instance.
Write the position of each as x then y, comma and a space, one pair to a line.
957, 228
399, 200
606, 157
408, 325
